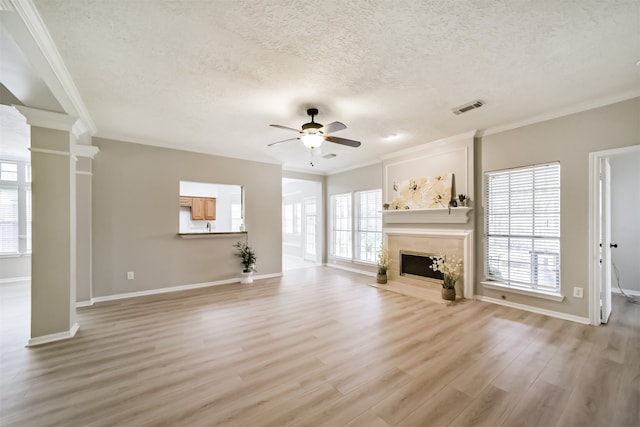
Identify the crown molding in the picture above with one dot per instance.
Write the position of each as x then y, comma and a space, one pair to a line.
31, 19
438, 142
586, 106
85, 150
6, 5
47, 119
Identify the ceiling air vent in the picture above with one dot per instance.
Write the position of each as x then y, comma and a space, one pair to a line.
468, 107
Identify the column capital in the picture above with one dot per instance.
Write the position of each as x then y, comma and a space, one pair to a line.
47, 119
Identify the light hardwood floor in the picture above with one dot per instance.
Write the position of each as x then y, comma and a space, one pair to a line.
319, 347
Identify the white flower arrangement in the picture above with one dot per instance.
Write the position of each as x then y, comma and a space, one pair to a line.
383, 260
450, 266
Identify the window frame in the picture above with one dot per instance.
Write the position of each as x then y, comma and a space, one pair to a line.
354, 227
545, 208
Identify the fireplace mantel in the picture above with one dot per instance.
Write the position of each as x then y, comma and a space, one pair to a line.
427, 216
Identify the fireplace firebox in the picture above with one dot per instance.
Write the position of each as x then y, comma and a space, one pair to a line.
418, 265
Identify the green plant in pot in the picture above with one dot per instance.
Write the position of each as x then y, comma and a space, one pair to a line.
451, 268
383, 264
248, 260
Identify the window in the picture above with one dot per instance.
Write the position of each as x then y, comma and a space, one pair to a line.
522, 226
356, 233
9, 225
368, 234
341, 225
292, 218
9, 171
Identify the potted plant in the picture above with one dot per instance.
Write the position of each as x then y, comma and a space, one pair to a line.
383, 264
451, 268
247, 259
462, 200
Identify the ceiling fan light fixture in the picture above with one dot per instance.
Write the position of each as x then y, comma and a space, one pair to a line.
312, 140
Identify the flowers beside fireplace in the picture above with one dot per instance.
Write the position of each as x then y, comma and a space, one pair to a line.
383, 264
451, 268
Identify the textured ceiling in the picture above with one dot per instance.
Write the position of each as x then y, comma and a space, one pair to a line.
210, 76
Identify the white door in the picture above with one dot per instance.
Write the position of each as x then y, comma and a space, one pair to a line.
605, 240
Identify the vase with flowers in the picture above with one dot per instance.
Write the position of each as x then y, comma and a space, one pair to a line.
451, 268
383, 264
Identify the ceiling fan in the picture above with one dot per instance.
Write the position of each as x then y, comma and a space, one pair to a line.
314, 134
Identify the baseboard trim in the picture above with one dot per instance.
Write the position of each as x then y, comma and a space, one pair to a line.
353, 270
14, 280
178, 288
45, 339
551, 313
629, 292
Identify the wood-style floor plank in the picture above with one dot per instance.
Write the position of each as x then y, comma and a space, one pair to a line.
318, 347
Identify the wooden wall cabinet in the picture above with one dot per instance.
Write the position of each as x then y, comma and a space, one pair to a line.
202, 208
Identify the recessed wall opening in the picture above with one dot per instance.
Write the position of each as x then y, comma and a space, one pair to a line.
418, 265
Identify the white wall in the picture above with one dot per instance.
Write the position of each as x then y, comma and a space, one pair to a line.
625, 219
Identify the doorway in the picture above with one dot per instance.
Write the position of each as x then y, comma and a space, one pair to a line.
302, 223
614, 206
15, 227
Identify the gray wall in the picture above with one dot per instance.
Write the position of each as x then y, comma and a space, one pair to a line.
135, 218
569, 140
360, 179
625, 219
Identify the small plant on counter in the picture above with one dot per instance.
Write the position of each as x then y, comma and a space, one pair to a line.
247, 256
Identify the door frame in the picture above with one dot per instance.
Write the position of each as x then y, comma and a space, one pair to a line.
595, 227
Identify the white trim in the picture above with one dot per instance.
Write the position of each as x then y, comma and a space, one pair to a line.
353, 167
46, 151
438, 142
67, 90
84, 173
178, 288
528, 292
594, 232
427, 216
467, 244
591, 105
5, 5
54, 337
353, 270
551, 313
47, 119
15, 279
629, 292
80, 304
81, 150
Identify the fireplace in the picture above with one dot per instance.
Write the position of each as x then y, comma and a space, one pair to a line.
412, 251
418, 265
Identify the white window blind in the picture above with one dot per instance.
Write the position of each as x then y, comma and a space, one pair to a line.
341, 244
9, 226
368, 234
522, 226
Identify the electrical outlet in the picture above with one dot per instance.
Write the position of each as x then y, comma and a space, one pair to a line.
130, 275
577, 292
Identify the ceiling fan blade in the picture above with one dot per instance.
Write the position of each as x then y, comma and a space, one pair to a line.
284, 140
343, 141
285, 127
334, 127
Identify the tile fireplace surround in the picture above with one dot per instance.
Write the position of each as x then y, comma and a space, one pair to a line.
433, 241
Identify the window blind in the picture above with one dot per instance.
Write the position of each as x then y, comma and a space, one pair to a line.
368, 234
522, 227
9, 231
